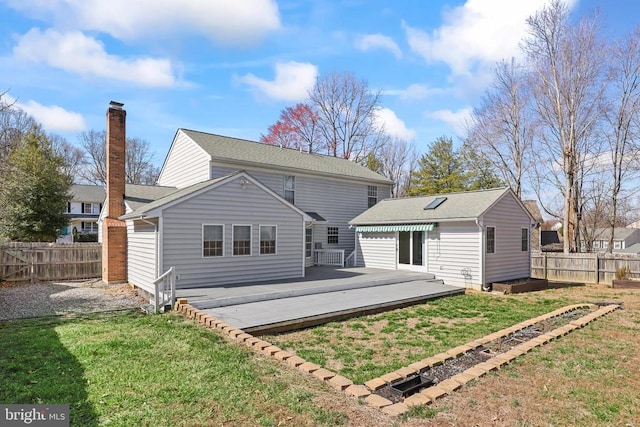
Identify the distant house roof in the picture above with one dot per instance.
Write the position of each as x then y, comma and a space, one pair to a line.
250, 153
619, 233
137, 195
463, 205
87, 193
633, 249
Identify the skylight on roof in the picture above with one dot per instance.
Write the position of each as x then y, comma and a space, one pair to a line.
435, 203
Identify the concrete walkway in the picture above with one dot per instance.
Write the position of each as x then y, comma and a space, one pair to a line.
326, 294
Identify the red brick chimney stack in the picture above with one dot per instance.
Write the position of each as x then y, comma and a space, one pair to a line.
114, 231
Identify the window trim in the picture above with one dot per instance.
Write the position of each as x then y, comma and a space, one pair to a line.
233, 239
371, 196
617, 244
524, 239
275, 241
90, 207
492, 249
330, 235
291, 190
202, 240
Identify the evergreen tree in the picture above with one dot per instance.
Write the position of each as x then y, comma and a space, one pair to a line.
440, 170
480, 171
34, 191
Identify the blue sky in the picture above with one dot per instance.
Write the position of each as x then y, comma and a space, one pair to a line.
230, 67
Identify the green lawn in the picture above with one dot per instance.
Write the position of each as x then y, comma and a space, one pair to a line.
367, 347
131, 369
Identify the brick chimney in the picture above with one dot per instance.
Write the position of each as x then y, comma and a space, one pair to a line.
114, 231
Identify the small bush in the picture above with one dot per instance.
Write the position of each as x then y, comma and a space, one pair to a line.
623, 273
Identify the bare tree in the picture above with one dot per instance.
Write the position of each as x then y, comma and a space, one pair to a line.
14, 124
139, 165
395, 157
568, 83
72, 156
502, 127
296, 128
346, 109
623, 117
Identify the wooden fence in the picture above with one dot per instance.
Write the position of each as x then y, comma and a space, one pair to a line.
583, 268
50, 261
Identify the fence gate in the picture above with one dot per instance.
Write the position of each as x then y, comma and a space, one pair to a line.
16, 264
44, 261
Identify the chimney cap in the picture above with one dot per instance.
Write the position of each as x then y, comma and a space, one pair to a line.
116, 105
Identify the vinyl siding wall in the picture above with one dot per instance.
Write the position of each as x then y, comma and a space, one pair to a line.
454, 247
141, 262
336, 200
509, 261
227, 205
377, 250
185, 164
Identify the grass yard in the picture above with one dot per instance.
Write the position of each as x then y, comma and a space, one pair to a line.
590, 377
131, 369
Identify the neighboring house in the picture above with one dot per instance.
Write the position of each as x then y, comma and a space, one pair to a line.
230, 211
83, 211
469, 238
623, 238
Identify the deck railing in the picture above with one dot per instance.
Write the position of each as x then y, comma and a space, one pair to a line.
351, 259
165, 291
334, 257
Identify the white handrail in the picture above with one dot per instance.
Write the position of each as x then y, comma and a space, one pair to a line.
164, 294
350, 261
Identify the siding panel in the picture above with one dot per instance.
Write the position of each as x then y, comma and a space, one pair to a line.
231, 204
336, 200
453, 253
509, 261
185, 164
377, 250
141, 262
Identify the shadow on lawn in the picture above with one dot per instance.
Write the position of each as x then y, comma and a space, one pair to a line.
38, 369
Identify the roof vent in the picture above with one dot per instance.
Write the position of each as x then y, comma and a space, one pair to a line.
435, 203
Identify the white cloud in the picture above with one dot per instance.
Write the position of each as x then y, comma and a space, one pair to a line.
77, 53
477, 34
292, 81
415, 91
378, 41
455, 119
393, 126
226, 22
52, 117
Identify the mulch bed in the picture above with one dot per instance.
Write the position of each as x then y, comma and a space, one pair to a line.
451, 367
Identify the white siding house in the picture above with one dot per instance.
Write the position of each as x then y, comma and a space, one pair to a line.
469, 238
331, 190
223, 231
83, 211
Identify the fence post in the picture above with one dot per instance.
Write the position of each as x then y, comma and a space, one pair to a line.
597, 281
544, 266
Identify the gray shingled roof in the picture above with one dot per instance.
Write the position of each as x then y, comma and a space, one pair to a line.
223, 148
87, 193
464, 205
137, 195
170, 196
620, 233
